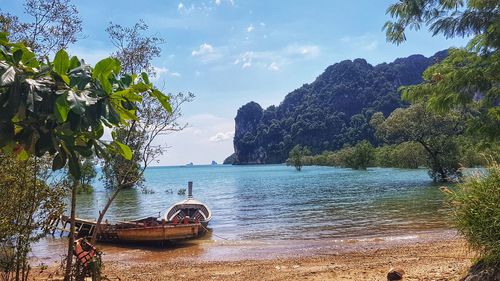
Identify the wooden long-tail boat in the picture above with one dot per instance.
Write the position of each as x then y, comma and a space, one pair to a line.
184, 220
143, 230
190, 210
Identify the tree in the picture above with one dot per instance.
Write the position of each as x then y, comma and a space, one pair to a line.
408, 155
435, 132
362, 156
61, 107
136, 52
87, 175
26, 212
450, 18
468, 77
54, 25
296, 156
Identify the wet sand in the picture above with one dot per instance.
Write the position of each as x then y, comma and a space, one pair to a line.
437, 255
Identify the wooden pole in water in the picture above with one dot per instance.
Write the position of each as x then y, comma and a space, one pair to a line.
190, 189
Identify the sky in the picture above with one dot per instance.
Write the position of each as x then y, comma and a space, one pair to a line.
230, 52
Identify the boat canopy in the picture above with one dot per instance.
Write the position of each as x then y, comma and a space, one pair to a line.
189, 207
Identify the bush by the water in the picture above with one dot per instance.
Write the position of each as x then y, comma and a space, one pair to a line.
406, 155
476, 212
296, 157
409, 155
363, 155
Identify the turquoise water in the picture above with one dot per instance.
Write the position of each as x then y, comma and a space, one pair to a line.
277, 202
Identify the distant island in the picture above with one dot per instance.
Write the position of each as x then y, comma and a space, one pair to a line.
327, 114
190, 164
213, 163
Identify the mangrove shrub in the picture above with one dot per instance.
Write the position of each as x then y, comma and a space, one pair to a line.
476, 212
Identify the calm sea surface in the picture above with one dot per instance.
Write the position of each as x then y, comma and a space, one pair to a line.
277, 202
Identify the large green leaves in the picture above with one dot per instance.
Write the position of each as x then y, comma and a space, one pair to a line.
163, 99
8, 76
103, 71
62, 108
61, 65
78, 102
122, 150
61, 62
68, 102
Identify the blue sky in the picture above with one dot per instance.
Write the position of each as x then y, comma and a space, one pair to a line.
230, 52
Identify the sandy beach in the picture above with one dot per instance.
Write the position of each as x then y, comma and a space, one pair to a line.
438, 255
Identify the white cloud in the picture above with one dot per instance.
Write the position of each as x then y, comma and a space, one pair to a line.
250, 28
182, 9
220, 137
162, 71
245, 59
206, 53
308, 51
363, 42
274, 66
193, 144
204, 49
219, 2
274, 60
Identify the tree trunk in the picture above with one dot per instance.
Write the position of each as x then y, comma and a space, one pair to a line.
102, 213
71, 241
436, 164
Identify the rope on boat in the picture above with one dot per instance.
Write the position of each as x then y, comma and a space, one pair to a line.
208, 230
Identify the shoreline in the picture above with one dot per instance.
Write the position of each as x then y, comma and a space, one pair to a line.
438, 255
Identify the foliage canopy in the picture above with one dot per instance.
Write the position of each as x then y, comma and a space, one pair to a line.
433, 131
61, 106
468, 77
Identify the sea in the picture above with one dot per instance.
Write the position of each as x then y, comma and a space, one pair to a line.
276, 202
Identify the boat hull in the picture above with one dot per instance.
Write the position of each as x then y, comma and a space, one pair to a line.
158, 233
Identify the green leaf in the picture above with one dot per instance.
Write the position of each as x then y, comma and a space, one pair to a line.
98, 131
4, 37
30, 59
78, 102
62, 108
141, 87
123, 150
145, 77
23, 155
8, 76
102, 71
18, 55
59, 161
61, 63
128, 95
74, 63
163, 99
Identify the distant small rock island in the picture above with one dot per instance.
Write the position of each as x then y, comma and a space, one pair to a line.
190, 164
213, 163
